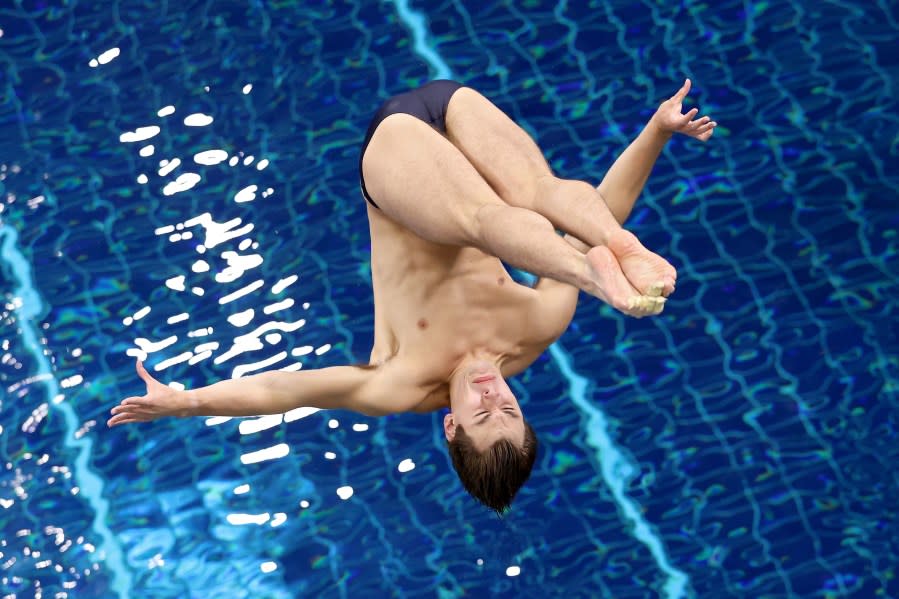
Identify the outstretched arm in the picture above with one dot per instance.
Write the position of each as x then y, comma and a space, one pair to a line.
625, 180
365, 390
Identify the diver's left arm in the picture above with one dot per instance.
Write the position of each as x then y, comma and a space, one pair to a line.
626, 178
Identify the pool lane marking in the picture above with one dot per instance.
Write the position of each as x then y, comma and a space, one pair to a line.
615, 468
419, 30
89, 483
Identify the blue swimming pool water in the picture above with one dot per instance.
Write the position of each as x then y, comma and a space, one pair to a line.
741, 445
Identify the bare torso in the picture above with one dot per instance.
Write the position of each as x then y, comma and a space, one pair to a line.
435, 304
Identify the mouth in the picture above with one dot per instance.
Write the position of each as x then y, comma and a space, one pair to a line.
484, 379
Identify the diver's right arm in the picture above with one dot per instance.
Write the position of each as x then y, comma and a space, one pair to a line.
364, 390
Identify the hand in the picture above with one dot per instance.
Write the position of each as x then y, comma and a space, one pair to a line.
160, 400
668, 117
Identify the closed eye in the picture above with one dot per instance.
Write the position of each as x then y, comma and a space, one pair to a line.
485, 415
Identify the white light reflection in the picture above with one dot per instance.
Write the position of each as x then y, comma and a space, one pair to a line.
246, 88
184, 182
279, 519
216, 420
242, 319
200, 332
177, 318
197, 119
241, 292
238, 264
304, 504
211, 157
208, 346
240, 490
217, 233
345, 492
243, 369
250, 341
282, 305
254, 425
174, 361
298, 413
262, 164
267, 567
166, 110
238, 519
359, 427
176, 283
513, 571
147, 150
166, 166
139, 134
247, 194
142, 179
149, 347
200, 266
269, 453
71, 381
105, 58
330, 455
302, 351
284, 283
333, 423
406, 465
199, 357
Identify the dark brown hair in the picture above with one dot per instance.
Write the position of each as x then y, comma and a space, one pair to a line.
493, 476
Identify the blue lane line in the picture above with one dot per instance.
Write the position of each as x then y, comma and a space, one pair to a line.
419, 29
615, 468
90, 485
617, 471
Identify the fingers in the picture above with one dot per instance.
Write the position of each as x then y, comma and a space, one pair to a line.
701, 129
144, 375
686, 119
130, 404
683, 91
124, 419
142, 372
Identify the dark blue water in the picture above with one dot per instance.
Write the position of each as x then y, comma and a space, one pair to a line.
743, 444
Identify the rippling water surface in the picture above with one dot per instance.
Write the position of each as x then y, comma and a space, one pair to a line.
179, 180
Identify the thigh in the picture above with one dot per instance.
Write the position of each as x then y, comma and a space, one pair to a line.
423, 182
505, 155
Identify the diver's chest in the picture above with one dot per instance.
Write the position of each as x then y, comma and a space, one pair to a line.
476, 309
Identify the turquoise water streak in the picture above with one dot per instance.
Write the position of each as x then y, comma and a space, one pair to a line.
616, 469
91, 486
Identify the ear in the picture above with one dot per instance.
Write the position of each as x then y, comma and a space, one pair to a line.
449, 426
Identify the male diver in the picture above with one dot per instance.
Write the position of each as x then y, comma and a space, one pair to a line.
454, 187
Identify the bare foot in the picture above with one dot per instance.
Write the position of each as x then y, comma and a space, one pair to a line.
612, 287
644, 269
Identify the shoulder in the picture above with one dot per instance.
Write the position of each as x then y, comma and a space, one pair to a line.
391, 387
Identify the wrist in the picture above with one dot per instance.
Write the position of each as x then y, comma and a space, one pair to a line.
188, 403
657, 130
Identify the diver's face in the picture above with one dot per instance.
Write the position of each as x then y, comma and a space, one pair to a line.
483, 404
